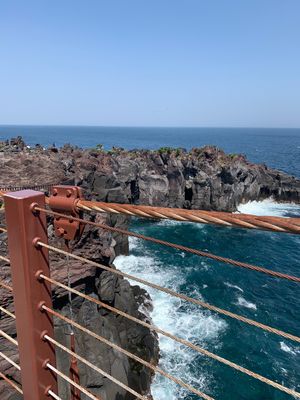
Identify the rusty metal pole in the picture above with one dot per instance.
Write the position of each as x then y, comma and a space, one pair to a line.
24, 226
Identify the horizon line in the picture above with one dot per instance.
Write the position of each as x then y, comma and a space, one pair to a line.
148, 126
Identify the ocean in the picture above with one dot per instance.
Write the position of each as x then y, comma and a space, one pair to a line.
257, 296
278, 148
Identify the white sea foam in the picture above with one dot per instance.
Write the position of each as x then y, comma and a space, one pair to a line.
133, 242
289, 349
234, 286
187, 321
176, 317
269, 207
168, 222
244, 303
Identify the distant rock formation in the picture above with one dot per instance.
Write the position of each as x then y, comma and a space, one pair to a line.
204, 178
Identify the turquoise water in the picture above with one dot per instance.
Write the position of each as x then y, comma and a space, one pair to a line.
257, 296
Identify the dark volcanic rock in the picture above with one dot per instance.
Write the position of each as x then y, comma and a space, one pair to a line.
203, 178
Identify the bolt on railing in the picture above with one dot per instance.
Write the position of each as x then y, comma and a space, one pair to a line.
31, 285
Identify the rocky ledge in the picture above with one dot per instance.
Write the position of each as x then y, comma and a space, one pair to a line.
204, 178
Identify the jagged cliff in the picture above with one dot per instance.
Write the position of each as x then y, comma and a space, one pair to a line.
203, 178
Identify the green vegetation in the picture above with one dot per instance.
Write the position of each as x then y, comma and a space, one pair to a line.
99, 147
163, 150
170, 150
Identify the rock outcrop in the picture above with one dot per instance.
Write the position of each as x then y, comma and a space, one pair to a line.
203, 178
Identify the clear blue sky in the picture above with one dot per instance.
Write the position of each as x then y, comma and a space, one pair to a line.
150, 63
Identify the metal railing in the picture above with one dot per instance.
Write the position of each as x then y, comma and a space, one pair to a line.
26, 228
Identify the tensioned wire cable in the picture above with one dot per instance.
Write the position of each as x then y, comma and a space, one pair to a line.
14, 342
133, 318
174, 246
84, 361
73, 323
9, 338
16, 387
182, 249
53, 395
173, 337
175, 294
277, 224
11, 383
94, 367
172, 293
10, 361
5, 378
127, 353
141, 322
4, 259
3, 284
71, 382
7, 312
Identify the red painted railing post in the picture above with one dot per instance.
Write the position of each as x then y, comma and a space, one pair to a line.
24, 226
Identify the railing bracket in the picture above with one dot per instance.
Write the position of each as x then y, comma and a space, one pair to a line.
64, 199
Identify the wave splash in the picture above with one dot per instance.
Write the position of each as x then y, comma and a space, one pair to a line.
185, 320
175, 316
289, 349
244, 303
271, 208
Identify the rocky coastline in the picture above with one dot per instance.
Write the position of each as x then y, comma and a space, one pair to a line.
203, 178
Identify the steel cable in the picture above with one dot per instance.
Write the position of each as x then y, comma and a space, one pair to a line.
11, 383
71, 382
9, 338
284, 227
95, 368
13, 341
53, 395
198, 349
3, 229
277, 224
10, 361
176, 246
4, 259
127, 353
3, 284
7, 312
4, 377
178, 295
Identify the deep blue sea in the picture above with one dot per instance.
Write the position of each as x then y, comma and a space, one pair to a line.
271, 301
278, 148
